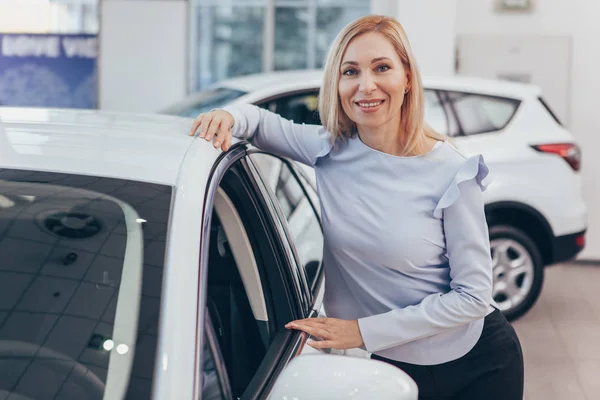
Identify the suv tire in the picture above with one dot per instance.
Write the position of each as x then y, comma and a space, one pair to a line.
517, 284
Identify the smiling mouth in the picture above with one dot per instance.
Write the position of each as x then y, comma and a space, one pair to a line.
369, 104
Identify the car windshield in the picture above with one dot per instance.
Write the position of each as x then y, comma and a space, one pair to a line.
81, 265
204, 101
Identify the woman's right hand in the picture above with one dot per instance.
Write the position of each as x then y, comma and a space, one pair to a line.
215, 124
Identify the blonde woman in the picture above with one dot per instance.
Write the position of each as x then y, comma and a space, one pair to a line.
407, 257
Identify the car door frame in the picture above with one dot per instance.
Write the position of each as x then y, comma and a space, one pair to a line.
220, 167
287, 344
314, 295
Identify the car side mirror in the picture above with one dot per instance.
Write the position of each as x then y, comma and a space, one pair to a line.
329, 377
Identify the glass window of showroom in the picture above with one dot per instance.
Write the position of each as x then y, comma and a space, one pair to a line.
239, 37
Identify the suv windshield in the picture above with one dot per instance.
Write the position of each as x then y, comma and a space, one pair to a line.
81, 265
204, 101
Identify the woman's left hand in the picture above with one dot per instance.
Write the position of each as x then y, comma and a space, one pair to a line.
335, 333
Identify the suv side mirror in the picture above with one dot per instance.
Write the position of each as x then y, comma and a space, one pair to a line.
329, 377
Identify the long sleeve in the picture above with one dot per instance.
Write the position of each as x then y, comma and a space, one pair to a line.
468, 251
271, 132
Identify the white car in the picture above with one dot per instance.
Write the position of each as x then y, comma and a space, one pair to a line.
137, 262
534, 207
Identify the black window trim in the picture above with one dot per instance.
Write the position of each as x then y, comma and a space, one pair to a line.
550, 110
285, 346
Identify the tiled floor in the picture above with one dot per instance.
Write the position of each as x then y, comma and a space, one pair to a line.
561, 336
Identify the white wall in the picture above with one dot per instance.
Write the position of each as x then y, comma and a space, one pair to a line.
143, 54
31, 16
430, 25
579, 20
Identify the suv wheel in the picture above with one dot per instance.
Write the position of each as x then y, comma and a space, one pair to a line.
518, 270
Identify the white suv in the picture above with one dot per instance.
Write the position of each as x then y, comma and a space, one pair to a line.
535, 210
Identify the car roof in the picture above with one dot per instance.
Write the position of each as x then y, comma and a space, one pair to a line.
254, 82
312, 78
480, 85
138, 147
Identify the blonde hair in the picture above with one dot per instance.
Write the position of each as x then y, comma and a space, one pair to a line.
332, 115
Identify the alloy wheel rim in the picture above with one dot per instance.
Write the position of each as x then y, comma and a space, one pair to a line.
513, 273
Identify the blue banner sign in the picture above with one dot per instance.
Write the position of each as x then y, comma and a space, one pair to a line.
50, 70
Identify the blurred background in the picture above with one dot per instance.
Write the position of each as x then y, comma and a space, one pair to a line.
146, 55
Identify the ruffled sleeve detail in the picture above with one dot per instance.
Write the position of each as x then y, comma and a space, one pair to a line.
473, 168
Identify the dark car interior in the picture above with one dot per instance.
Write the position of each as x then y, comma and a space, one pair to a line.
237, 330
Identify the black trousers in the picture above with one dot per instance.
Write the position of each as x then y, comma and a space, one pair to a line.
492, 370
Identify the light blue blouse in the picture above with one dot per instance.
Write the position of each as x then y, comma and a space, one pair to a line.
406, 241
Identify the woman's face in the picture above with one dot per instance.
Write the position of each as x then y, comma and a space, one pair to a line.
372, 83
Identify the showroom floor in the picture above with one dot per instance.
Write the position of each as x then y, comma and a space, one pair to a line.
561, 336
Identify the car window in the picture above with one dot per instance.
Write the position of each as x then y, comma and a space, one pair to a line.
302, 220
301, 107
81, 265
435, 114
480, 113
